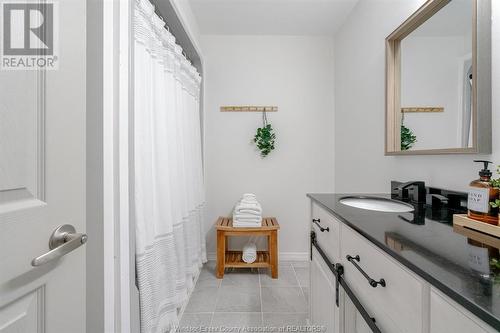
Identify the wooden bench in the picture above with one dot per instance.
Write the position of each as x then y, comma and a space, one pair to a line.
226, 258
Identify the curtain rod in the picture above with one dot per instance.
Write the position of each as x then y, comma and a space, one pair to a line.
157, 12
165, 9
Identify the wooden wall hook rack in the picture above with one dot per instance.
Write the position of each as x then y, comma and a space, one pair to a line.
248, 108
422, 109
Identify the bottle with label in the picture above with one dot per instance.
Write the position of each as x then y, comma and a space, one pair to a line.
480, 194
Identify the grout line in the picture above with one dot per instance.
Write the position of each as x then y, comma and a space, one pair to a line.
261, 307
211, 319
260, 273
284, 312
294, 287
298, 282
216, 298
244, 312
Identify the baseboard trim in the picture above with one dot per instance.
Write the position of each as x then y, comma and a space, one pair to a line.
283, 256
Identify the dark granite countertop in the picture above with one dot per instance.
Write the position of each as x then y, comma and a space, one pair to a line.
463, 266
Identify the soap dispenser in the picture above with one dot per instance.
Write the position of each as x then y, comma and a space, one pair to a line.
481, 192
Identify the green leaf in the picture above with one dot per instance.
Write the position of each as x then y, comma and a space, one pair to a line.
495, 204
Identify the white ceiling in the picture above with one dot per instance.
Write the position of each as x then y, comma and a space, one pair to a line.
271, 17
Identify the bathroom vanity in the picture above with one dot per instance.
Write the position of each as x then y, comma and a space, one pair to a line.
397, 272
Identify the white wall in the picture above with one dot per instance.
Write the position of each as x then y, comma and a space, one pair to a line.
430, 76
360, 164
295, 74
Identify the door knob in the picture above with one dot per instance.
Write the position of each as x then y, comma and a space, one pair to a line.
63, 240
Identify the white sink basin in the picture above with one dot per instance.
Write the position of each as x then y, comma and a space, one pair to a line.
377, 204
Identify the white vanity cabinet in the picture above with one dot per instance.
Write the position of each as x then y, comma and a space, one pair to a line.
352, 320
397, 306
327, 229
324, 311
407, 303
323, 308
446, 316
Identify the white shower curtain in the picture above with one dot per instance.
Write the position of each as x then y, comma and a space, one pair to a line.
169, 192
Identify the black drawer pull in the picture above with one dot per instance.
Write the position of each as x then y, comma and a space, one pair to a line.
371, 281
317, 222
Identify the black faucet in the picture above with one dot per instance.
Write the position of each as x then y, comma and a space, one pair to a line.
436, 200
414, 191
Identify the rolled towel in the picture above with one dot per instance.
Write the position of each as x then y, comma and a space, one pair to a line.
249, 199
249, 196
249, 252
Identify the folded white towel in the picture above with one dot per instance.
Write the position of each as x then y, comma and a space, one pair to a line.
246, 225
247, 216
249, 222
243, 220
249, 252
247, 212
251, 206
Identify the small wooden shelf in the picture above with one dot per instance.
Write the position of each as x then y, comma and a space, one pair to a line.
462, 221
233, 259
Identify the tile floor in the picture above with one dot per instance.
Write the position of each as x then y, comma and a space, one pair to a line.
251, 298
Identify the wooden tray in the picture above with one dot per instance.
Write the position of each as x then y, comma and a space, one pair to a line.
463, 221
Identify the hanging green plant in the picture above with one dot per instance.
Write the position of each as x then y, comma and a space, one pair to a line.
265, 137
408, 138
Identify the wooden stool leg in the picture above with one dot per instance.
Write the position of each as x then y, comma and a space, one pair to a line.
221, 252
273, 254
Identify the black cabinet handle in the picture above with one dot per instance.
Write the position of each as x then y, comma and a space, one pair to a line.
371, 281
317, 222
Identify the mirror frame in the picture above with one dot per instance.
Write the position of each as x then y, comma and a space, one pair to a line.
481, 90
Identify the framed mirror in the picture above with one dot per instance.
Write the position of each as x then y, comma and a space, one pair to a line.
438, 80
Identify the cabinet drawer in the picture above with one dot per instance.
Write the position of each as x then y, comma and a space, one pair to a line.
327, 240
449, 317
397, 307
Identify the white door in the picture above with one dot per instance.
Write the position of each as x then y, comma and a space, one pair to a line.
42, 182
324, 311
